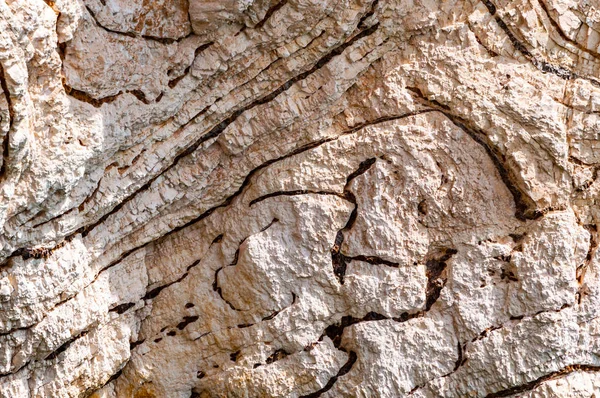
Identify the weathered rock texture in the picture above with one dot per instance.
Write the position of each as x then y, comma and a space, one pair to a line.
299, 198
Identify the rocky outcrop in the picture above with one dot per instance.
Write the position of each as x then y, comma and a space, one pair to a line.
299, 198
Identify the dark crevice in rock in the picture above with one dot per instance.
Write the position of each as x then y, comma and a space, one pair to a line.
337, 258
436, 104
112, 378
15, 330
139, 94
533, 384
435, 272
121, 308
372, 260
186, 321
292, 193
236, 256
270, 12
85, 97
135, 344
275, 220
156, 291
98, 102
11, 116
26, 364
234, 356
508, 273
484, 333
343, 370
276, 356
380, 120
54, 354
192, 265
370, 13
406, 316
268, 317
173, 83
334, 332
461, 357
580, 162
219, 291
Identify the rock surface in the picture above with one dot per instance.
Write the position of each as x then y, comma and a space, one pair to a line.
299, 198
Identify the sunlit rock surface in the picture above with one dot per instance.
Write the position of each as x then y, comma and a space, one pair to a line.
299, 198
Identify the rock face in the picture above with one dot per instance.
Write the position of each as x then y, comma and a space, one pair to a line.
299, 198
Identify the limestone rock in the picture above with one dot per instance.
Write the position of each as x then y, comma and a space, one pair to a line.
299, 198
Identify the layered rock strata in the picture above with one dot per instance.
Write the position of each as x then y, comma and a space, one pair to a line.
299, 198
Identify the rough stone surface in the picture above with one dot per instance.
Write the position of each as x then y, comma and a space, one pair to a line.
299, 198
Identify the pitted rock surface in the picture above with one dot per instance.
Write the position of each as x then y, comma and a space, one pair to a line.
299, 198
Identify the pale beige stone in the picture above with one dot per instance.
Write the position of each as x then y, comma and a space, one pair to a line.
299, 198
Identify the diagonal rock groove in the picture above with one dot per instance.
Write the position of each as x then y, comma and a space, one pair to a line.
269, 317
270, 13
90, 391
152, 294
562, 34
544, 66
173, 83
533, 384
219, 128
122, 308
216, 130
352, 357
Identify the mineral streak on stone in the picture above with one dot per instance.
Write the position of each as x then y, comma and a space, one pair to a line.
299, 198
